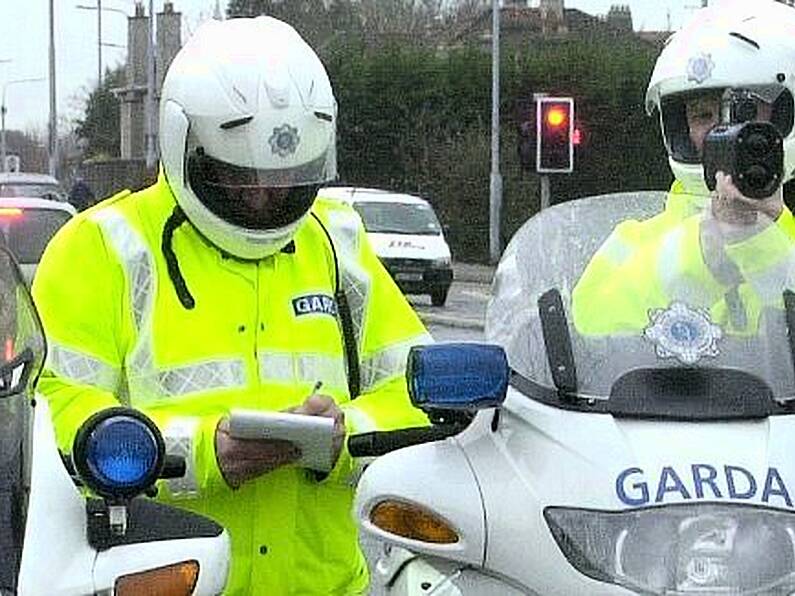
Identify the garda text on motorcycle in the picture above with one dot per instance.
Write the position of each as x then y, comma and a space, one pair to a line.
88, 531
640, 436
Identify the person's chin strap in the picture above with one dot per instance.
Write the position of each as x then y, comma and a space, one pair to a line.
175, 220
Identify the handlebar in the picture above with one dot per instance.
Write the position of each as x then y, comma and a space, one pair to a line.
373, 444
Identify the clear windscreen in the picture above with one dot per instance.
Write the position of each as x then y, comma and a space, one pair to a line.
26, 232
631, 282
22, 351
398, 218
43, 190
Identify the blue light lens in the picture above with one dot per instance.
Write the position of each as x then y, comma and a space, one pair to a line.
458, 376
121, 452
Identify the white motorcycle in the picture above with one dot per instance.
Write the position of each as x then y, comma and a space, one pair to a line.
654, 456
53, 538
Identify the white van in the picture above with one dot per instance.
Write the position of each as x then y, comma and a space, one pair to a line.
406, 235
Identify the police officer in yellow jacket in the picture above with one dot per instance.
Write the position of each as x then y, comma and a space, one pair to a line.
226, 284
715, 243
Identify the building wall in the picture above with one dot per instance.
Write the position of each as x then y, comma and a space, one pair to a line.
107, 177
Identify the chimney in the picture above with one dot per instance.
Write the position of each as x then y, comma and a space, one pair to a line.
169, 40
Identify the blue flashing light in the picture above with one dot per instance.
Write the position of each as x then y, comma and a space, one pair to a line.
121, 453
457, 376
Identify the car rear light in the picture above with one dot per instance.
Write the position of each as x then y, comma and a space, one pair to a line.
10, 212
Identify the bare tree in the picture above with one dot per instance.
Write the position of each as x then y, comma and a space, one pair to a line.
464, 19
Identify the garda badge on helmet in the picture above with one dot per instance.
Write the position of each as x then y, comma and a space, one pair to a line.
699, 68
683, 333
284, 140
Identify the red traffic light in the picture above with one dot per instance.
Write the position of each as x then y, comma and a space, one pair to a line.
557, 116
555, 135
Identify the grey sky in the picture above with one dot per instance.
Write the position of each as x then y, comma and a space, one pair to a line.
24, 39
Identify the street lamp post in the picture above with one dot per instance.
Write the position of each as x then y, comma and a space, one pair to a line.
99, 8
52, 128
3, 111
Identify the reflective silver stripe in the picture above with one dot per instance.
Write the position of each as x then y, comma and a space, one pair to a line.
138, 264
616, 250
82, 368
145, 382
219, 374
137, 260
769, 283
288, 368
355, 281
277, 367
674, 283
178, 435
389, 363
360, 421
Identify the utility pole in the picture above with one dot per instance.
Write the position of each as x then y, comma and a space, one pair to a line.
495, 186
52, 144
99, 44
150, 91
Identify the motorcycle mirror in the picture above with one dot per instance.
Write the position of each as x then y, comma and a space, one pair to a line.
118, 453
457, 376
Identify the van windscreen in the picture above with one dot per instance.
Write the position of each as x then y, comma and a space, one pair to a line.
398, 218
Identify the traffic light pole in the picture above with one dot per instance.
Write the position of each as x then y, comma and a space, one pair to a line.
554, 141
495, 186
545, 192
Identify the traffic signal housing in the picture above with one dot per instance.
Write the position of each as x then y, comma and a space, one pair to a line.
555, 135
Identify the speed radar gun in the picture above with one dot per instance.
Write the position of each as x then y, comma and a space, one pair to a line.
751, 152
82, 523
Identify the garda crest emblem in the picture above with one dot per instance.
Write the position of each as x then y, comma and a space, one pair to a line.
284, 140
683, 333
699, 68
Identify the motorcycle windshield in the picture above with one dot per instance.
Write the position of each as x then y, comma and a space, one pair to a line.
647, 298
22, 351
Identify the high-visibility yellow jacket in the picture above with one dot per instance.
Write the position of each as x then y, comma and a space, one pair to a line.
259, 335
646, 264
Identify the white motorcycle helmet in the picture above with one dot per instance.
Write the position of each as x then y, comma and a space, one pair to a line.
247, 106
732, 45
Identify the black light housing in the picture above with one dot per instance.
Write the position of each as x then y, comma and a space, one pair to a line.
118, 453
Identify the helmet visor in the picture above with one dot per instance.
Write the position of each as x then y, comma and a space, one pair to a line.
688, 117
252, 198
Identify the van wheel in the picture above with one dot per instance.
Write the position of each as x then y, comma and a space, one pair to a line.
439, 296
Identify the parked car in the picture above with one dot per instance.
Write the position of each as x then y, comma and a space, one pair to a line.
26, 226
29, 184
407, 237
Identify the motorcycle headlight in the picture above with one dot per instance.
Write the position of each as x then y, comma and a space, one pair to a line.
681, 549
118, 453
